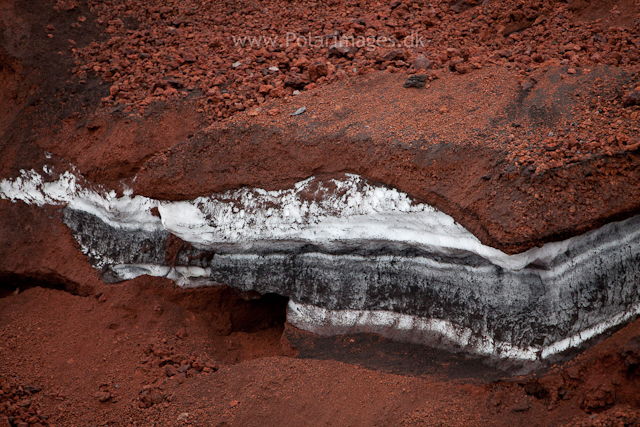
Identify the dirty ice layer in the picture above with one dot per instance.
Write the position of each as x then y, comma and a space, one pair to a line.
353, 257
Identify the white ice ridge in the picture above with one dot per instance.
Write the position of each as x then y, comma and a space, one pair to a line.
422, 330
343, 210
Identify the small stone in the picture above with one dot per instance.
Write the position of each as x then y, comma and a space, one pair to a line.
183, 416
254, 112
504, 53
189, 57
234, 403
393, 55
265, 89
342, 49
598, 397
150, 397
462, 68
630, 352
317, 70
170, 91
443, 110
571, 71
296, 80
299, 111
422, 63
31, 389
236, 64
526, 85
103, 396
170, 370
522, 406
184, 368
274, 112
416, 81
301, 62
114, 89
632, 98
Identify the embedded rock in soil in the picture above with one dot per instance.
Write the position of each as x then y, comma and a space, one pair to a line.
416, 81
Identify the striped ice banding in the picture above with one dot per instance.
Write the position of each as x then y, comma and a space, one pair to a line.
357, 257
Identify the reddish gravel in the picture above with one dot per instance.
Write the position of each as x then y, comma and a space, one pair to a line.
146, 353
157, 50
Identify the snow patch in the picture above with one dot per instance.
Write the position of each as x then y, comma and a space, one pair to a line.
348, 209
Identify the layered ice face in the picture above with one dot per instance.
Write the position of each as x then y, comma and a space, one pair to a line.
353, 256
339, 210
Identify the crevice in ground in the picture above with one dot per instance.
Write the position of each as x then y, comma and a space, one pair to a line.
255, 312
13, 284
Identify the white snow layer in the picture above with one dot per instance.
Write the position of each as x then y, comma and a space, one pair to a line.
319, 320
349, 209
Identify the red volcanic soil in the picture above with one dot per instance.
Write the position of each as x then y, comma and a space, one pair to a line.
526, 131
148, 353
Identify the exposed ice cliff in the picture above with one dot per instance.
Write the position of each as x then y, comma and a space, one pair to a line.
353, 256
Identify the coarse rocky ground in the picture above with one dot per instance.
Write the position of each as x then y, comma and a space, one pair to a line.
524, 128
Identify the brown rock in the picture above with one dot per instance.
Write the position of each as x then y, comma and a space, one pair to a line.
317, 69
522, 405
296, 80
170, 370
462, 68
423, 63
277, 92
103, 396
598, 398
613, 58
630, 352
527, 84
538, 57
301, 62
392, 55
265, 89
632, 98
189, 57
150, 397
342, 49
